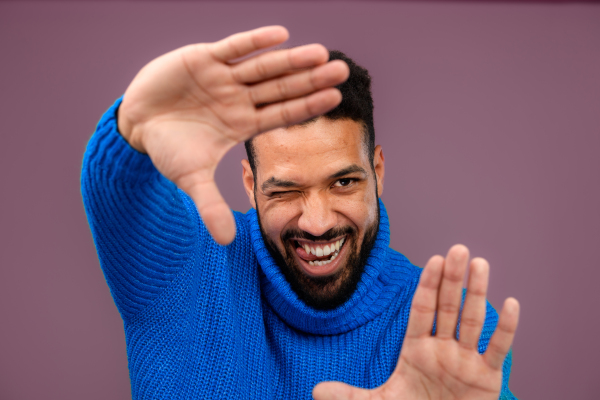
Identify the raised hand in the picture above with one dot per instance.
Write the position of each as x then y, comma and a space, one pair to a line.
187, 108
440, 366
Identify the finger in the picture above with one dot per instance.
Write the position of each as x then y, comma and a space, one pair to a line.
216, 215
450, 296
338, 391
503, 336
244, 43
275, 63
473, 313
293, 111
422, 310
299, 84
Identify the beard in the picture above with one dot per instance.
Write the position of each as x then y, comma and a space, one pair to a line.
324, 292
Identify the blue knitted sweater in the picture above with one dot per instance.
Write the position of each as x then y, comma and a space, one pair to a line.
204, 321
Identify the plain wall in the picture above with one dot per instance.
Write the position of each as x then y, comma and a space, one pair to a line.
489, 116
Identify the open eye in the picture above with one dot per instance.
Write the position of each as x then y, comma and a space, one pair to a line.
344, 182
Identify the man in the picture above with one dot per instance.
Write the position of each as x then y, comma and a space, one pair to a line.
306, 291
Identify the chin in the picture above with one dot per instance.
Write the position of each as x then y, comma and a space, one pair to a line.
328, 286
331, 279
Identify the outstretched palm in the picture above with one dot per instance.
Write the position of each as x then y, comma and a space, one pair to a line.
441, 366
187, 108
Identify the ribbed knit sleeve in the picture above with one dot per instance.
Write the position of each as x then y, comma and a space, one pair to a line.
142, 230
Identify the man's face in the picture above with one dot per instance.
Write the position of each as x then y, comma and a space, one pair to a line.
316, 196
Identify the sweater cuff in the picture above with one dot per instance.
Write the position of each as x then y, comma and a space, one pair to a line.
111, 152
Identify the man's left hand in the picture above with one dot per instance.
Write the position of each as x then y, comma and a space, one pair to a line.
442, 366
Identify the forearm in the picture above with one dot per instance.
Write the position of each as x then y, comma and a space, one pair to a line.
140, 225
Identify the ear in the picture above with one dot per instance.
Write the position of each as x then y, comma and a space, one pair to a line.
379, 166
248, 180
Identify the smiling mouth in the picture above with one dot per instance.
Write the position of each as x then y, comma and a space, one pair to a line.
319, 254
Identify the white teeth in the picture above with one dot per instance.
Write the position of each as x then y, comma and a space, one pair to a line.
332, 249
323, 262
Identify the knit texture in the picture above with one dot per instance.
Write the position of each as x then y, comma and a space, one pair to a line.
205, 321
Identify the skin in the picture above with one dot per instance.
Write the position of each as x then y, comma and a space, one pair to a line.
187, 108
315, 178
440, 366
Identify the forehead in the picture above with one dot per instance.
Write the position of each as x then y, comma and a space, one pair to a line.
320, 147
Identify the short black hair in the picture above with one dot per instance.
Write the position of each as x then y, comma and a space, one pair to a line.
357, 105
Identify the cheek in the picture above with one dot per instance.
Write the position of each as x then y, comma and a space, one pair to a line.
362, 210
277, 217
363, 215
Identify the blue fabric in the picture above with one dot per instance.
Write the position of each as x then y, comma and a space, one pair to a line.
204, 321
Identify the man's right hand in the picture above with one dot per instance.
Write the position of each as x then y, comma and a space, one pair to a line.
187, 108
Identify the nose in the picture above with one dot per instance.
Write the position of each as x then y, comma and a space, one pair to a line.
317, 215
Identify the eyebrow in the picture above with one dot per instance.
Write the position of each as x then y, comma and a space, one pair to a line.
273, 182
348, 170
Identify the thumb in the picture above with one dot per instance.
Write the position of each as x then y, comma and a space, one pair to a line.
338, 391
215, 213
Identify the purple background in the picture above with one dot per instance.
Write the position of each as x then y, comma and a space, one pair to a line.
489, 115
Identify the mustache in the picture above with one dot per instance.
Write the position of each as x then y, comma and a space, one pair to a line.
327, 236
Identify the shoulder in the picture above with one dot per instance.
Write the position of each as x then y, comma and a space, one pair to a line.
489, 326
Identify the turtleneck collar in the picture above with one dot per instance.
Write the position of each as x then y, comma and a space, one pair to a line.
371, 298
